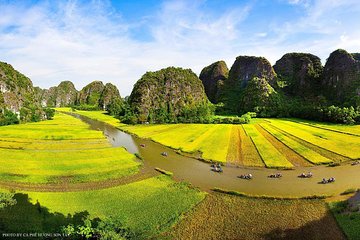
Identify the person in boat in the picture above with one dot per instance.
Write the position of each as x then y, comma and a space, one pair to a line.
332, 179
323, 181
309, 174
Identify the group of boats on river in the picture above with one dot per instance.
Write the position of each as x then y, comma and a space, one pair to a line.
216, 167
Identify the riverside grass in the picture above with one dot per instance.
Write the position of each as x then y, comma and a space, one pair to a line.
302, 150
160, 199
348, 220
35, 153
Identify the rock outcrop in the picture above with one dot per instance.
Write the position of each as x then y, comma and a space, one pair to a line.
213, 77
299, 74
63, 95
259, 97
341, 81
244, 69
168, 92
90, 94
109, 93
17, 93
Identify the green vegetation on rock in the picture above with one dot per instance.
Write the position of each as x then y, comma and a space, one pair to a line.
213, 77
170, 95
17, 95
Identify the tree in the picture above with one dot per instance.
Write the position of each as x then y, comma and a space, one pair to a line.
49, 113
8, 118
6, 199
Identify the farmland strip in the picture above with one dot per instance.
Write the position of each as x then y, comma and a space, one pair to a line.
286, 150
269, 154
307, 153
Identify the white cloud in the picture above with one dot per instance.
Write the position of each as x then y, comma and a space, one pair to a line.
85, 42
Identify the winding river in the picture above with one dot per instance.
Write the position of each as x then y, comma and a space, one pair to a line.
199, 173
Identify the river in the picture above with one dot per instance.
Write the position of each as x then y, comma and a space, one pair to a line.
199, 173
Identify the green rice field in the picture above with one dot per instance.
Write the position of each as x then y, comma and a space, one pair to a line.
60, 150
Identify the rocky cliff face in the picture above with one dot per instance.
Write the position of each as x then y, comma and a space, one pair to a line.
109, 93
341, 81
16, 91
91, 93
213, 77
63, 95
244, 69
299, 74
167, 92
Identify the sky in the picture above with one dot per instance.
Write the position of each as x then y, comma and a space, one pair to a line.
118, 41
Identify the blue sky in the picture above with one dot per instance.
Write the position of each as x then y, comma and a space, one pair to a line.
118, 41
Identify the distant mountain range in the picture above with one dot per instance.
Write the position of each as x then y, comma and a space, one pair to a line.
251, 84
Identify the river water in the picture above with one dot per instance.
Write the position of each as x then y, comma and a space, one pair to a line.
199, 173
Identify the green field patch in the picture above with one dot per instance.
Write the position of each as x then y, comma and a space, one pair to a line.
302, 150
85, 165
27, 154
30, 144
269, 154
160, 199
63, 127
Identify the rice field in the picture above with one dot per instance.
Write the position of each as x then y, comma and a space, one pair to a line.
147, 207
343, 144
232, 217
269, 154
302, 150
209, 139
60, 150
